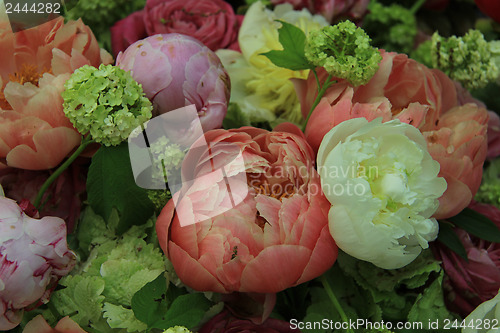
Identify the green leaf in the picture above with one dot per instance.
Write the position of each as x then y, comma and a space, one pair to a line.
186, 310
449, 238
477, 224
119, 317
149, 303
292, 56
111, 184
235, 118
162, 306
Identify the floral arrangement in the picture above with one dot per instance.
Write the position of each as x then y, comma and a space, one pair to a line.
250, 166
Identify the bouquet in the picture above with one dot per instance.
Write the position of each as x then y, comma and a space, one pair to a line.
249, 166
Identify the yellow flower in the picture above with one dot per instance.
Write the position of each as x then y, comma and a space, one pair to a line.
262, 90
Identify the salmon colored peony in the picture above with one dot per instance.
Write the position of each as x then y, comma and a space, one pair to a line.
276, 238
39, 325
452, 123
34, 133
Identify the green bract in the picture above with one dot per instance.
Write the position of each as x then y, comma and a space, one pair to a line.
468, 59
106, 102
345, 52
398, 24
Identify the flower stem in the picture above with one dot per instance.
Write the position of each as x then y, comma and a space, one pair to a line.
321, 92
334, 300
416, 6
85, 142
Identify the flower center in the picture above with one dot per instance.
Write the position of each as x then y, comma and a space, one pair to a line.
28, 73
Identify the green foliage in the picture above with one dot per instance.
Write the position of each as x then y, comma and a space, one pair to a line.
477, 224
393, 27
449, 238
235, 118
161, 305
469, 60
101, 15
98, 293
111, 185
292, 56
344, 51
106, 102
489, 192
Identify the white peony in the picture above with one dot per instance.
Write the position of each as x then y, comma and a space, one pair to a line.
485, 318
383, 186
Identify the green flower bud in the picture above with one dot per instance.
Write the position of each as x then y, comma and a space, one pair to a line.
469, 60
344, 51
105, 102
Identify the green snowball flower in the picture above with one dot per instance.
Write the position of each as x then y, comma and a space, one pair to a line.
393, 27
469, 60
177, 329
344, 51
167, 158
489, 192
105, 102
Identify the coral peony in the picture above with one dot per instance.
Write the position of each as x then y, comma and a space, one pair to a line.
40, 325
469, 283
224, 322
427, 99
34, 133
330, 9
33, 257
175, 71
276, 238
387, 170
212, 22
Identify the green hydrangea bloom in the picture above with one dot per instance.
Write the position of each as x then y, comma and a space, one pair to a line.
469, 59
345, 52
99, 14
159, 198
397, 23
105, 102
489, 192
423, 53
167, 157
177, 329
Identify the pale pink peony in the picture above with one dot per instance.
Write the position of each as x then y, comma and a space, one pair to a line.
330, 9
34, 132
33, 257
177, 70
40, 325
427, 99
276, 238
469, 283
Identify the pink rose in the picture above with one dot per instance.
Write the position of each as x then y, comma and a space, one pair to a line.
34, 132
330, 9
40, 325
33, 257
427, 99
276, 238
469, 283
212, 22
224, 322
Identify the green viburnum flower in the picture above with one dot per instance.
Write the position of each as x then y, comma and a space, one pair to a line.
489, 192
167, 158
423, 53
344, 51
159, 198
469, 59
177, 329
398, 24
105, 102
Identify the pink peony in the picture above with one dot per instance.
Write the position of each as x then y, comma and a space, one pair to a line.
33, 257
276, 238
427, 99
330, 9
224, 322
39, 325
468, 284
34, 132
176, 71
212, 22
